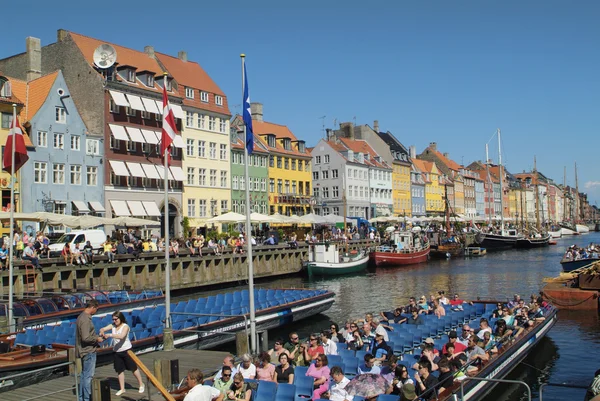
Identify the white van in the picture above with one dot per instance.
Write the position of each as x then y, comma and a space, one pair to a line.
96, 238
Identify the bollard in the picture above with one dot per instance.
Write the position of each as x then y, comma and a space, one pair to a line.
100, 390
241, 343
166, 371
264, 341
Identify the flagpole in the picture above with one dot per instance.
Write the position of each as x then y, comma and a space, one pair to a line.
11, 323
167, 332
248, 227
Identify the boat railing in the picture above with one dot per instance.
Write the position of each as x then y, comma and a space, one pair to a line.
564, 385
197, 315
7, 380
485, 379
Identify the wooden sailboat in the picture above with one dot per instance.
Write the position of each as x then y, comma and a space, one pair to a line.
537, 239
579, 226
448, 245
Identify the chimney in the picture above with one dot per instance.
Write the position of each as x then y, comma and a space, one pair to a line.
61, 35
257, 111
182, 55
376, 126
149, 50
34, 58
348, 130
412, 152
446, 155
433, 145
329, 133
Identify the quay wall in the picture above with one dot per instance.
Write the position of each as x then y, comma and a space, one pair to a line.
187, 272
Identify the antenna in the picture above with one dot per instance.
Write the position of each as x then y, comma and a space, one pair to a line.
322, 118
334, 123
105, 56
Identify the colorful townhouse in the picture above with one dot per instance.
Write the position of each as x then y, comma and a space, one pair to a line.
417, 189
434, 202
120, 104
290, 175
401, 175
469, 190
206, 135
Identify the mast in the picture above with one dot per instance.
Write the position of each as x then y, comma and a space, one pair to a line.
537, 198
447, 210
344, 206
501, 181
488, 180
578, 208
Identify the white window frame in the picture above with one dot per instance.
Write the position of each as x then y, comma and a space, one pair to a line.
42, 139
223, 151
213, 177
75, 142
212, 150
92, 176
58, 173
222, 125
59, 140
92, 147
202, 177
191, 175
219, 100
326, 158
200, 120
61, 115
204, 96
212, 121
191, 204
40, 172
201, 148
189, 93
190, 144
75, 174
317, 159
223, 178
234, 182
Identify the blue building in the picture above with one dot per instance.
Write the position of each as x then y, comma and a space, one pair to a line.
417, 191
65, 172
480, 199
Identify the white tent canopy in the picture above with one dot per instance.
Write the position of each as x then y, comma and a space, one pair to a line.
313, 219
55, 219
333, 218
229, 217
260, 218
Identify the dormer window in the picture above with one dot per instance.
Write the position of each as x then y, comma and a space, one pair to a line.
218, 100
5, 89
130, 74
287, 143
204, 96
189, 93
271, 140
162, 83
150, 80
301, 146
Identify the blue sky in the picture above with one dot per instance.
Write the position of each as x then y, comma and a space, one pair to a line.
445, 72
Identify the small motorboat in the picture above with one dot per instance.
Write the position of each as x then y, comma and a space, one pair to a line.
326, 259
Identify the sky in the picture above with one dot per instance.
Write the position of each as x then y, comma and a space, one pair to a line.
450, 72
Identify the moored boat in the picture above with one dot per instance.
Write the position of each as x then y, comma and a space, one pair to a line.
498, 242
404, 248
575, 290
568, 265
533, 242
475, 251
326, 259
582, 228
446, 250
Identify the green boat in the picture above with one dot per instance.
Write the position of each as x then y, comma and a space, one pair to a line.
325, 259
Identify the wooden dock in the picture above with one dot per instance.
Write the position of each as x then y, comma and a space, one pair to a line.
207, 361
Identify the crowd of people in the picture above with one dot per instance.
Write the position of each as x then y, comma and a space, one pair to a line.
575, 252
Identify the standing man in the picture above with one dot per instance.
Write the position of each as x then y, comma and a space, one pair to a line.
86, 343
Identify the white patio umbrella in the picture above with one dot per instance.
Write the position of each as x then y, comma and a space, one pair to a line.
313, 219
333, 218
230, 217
279, 218
260, 218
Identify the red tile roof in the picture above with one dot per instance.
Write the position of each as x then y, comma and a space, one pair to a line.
361, 146
451, 164
38, 92
262, 128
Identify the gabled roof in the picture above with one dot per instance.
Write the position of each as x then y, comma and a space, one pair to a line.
38, 93
361, 146
259, 147
262, 128
392, 141
424, 165
190, 74
18, 91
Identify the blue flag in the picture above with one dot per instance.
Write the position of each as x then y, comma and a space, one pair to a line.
248, 116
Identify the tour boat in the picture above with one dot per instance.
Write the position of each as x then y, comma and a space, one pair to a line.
326, 259
569, 265
405, 248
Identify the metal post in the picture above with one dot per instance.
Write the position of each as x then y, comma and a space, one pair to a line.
11, 322
167, 332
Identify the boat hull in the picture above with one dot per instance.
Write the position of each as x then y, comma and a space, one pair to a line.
582, 228
569, 298
446, 251
555, 234
528, 243
569, 265
337, 269
400, 258
567, 231
475, 251
494, 242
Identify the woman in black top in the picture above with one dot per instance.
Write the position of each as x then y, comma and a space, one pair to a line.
284, 373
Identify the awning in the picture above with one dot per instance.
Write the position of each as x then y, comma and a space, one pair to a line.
136, 135
119, 98
150, 170
97, 206
151, 208
135, 102
118, 131
150, 136
136, 208
120, 208
177, 111
81, 206
178, 142
177, 173
159, 106
119, 168
150, 105
161, 172
136, 169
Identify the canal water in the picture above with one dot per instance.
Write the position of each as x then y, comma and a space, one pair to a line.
570, 353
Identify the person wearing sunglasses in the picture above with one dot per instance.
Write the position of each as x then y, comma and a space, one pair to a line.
320, 372
224, 381
401, 378
239, 391
119, 332
313, 348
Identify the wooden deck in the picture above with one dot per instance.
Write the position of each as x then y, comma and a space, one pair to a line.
207, 361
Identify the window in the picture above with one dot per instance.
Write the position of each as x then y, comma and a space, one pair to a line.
325, 192
6, 120
219, 100
271, 185
336, 192
263, 161
189, 147
287, 186
279, 161
316, 192
75, 175
336, 211
201, 121
271, 161
286, 163
326, 158
130, 146
40, 173
130, 74
92, 176
271, 140
60, 208
315, 175
223, 179
222, 125
250, 184
223, 152
114, 108
294, 187
191, 175
201, 149
213, 150
189, 93
211, 123
202, 207
293, 164
59, 141
350, 191
235, 205
42, 139
224, 206
242, 183
132, 181
202, 177
325, 174
58, 173
256, 184
204, 96
5, 89
299, 165
61, 115
317, 159
334, 173
92, 146
189, 119
129, 111
350, 173
75, 142
279, 186
234, 182
114, 179
213, 178
300, 187
263, 184
191, 203
150, 80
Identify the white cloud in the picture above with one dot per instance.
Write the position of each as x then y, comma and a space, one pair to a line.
592, 184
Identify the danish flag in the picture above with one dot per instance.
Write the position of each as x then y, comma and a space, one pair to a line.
15, 134
169, 128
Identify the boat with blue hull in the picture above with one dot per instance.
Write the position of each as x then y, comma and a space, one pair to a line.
568, 265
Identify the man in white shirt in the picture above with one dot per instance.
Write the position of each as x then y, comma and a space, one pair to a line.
337, 386
200, 392
329, 346
227, 361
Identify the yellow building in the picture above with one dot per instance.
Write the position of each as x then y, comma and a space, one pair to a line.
205, 133
401, 194
459, 194
12, 91
434, 193
290, 170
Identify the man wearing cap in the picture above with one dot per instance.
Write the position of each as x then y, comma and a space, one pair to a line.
380, 349
458, 346
408, 392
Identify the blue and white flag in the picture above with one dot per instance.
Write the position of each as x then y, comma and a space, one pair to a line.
248, 115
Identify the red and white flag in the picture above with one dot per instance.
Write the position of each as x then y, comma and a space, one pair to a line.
15, 135
169, 128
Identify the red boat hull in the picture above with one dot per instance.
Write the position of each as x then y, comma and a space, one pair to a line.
397, 258
570, 298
